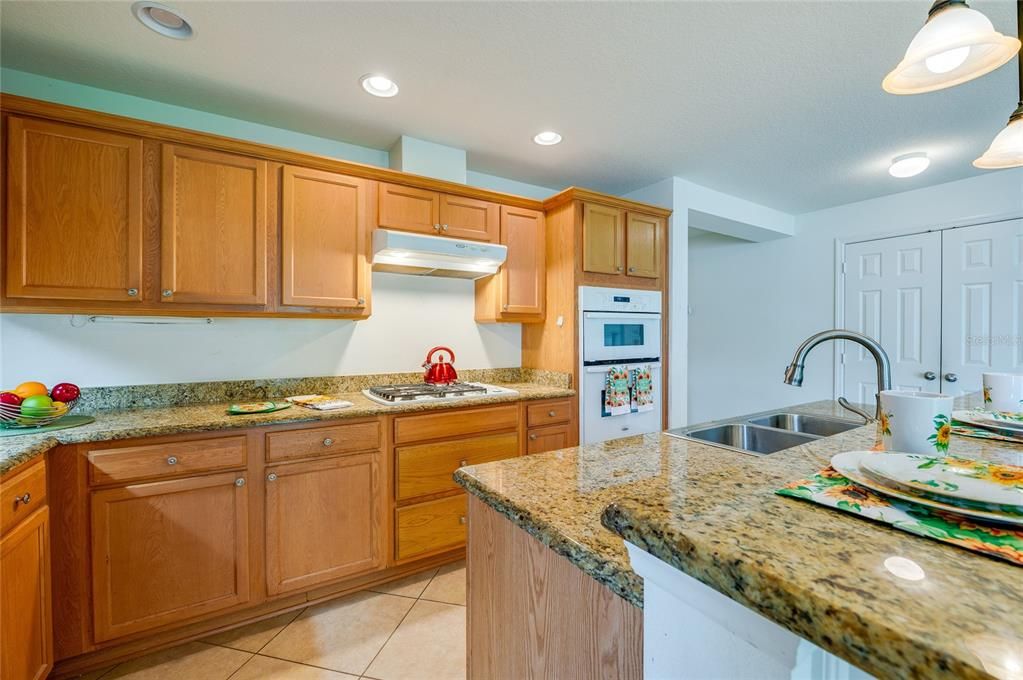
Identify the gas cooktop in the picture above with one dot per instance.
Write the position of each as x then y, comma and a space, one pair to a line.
395, 394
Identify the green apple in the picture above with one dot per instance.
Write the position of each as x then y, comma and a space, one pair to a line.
37, 405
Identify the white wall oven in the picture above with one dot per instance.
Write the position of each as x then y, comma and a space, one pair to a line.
620, 356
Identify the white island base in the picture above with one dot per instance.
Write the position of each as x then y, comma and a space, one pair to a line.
693, 632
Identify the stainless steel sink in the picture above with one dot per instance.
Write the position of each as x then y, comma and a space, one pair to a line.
743, 437
822, 426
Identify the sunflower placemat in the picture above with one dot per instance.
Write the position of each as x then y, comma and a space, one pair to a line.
832, 490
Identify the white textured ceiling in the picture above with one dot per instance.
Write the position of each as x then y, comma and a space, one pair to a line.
777, 102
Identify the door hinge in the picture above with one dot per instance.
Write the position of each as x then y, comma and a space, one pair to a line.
844, 269
841, 358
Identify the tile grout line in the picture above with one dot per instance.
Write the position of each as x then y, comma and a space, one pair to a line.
252, 655
370, 664
295, 618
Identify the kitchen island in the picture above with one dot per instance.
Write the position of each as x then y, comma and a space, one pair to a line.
713, 514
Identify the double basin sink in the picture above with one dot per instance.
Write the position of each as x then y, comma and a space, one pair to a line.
767, 433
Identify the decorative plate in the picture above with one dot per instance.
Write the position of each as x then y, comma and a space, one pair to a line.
1011, 422
965, 479
848, 465
257, 407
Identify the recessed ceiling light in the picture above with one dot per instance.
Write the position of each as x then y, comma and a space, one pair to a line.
547, 138
378, 85
909, 165
163, 19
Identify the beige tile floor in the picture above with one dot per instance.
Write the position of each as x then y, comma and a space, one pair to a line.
412, 629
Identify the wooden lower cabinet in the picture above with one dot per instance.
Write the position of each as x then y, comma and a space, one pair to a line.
26, 652
324, 521
550, 438
168, 551
431, 527
425, 469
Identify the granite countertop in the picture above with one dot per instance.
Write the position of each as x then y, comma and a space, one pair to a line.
114, 424
713, 514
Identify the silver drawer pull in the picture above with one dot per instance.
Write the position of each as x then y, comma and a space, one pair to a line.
463, 462
551, 414
461, 520
24, 499
532, 437
132, 292
240, 481
632, 269
272, 477
167, 292
172, 460
328, 442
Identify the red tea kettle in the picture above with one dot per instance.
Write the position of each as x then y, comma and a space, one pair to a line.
441, 372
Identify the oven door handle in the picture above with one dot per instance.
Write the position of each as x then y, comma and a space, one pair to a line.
637, 316
603, 369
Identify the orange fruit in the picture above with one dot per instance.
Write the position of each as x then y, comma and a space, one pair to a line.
30, 389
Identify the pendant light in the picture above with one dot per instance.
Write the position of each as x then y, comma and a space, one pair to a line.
1006, 151
955, 45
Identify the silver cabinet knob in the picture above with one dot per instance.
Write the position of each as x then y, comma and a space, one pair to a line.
361, 301
328, 442
240, 481
167, 292
24, 499
930, 375
272, 477
436, 227
551, 413
443, 227
132, 292
532, 437
951, 377
172, 460
618, 269
461, 520
504, 307
463, 462
632, 269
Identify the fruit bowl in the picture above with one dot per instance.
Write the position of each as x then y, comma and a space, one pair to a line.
11, 416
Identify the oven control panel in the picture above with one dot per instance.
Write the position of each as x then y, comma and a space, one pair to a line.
595, 299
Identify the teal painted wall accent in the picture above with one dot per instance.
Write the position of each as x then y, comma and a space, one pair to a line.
508, 186
421, 157
117, 103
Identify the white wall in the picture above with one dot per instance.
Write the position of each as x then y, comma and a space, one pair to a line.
753, 303
410, 315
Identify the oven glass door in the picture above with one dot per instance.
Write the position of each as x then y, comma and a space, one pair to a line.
615, 336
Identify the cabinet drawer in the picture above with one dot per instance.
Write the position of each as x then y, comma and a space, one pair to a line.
165, 460
430, 527
425, 469
551, 438
549, 412
455, 423
323, 441
22, 495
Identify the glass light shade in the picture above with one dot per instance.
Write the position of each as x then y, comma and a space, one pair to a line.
1006, 151
956, 44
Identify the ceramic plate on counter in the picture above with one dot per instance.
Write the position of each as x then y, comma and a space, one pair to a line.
1007, 422
849, 466
258, 407
965, 479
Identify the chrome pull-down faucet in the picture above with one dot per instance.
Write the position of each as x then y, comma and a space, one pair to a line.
794, 372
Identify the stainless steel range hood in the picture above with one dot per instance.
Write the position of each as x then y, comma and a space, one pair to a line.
421, 255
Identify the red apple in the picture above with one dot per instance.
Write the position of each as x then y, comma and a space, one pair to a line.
10, 398
65, 392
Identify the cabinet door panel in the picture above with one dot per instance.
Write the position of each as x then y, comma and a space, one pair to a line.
324, 232
408, 209
524, 273
214, 227
431, 527
541, 439
25, 614
168, 551
425, 469
324, 521
602, 239
74, 213
643, 246
469, 218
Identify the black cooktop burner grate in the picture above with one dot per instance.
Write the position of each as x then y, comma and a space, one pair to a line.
420, 390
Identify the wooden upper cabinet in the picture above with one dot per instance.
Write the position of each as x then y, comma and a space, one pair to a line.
643, 245
74, 212
603, 239
214, 227
408, 209
26, 652
325, 227
523, 276
168, 551
469, 218
324, 521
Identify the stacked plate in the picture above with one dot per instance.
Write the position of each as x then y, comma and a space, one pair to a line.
1008, 425
980, 490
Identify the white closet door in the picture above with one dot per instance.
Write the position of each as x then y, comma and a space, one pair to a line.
982, 303
893, 295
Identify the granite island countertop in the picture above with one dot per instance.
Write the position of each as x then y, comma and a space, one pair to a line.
113, 424
713, 514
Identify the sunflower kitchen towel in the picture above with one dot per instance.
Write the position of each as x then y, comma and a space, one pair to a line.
617, 400
643, 389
